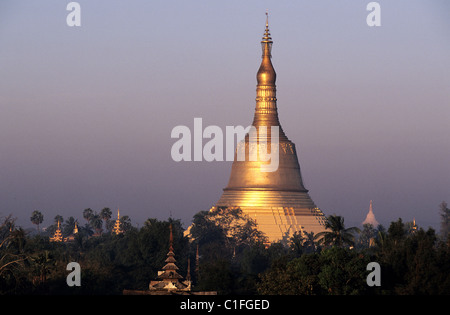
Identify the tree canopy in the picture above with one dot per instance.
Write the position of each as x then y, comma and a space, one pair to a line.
226, 253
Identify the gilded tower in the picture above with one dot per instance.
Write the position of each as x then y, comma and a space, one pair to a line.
57, 237
278, 200
117, 229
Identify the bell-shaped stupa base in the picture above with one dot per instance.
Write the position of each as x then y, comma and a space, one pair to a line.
278, 214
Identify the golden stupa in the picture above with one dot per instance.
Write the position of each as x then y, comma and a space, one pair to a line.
277, 200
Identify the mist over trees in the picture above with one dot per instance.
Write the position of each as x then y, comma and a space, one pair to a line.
226, 253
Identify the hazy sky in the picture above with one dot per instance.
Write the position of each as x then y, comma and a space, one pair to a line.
86, 112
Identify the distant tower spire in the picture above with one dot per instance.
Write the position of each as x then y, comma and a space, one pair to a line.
414, 226
171, 238
117, 228
370, 218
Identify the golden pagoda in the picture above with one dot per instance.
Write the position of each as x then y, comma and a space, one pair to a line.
57, 237
278, 201
170, 278
117, 226
414, 226
71, 237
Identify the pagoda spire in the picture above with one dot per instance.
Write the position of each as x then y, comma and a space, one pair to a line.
170, 238
57, 237
117, 229
170, 278
370, 218
266, 113
277, 200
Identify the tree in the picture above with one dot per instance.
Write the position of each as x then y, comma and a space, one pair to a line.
278, 279
231, 250
397, 232
106, 214
52, 228
125, 223
445, 220
42, 265
422, 272
367, 236
59, 218
37, 218
69, 226
338, 234
87, 214
343, 271
96, 222
227, 225
301, 243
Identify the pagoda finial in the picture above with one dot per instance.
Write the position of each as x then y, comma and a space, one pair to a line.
171, 238
266, 38
266, 73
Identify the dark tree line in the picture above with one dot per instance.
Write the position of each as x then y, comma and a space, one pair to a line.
226, 253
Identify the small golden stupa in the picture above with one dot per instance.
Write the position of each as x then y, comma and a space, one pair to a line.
71, 237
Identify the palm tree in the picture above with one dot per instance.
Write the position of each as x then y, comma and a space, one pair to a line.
337, 235
87, 214
96, 222
37, 218
125, 223
309, 243
68, 226
43, 262
106, 214
59, 218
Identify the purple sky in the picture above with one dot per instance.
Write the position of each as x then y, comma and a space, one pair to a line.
86, 113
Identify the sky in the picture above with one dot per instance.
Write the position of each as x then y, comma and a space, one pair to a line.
86, 113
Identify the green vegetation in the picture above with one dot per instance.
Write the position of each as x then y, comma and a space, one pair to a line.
233, 257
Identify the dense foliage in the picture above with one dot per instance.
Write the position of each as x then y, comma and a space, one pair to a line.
233, 257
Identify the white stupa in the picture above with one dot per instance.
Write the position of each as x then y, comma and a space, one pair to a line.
370, 218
